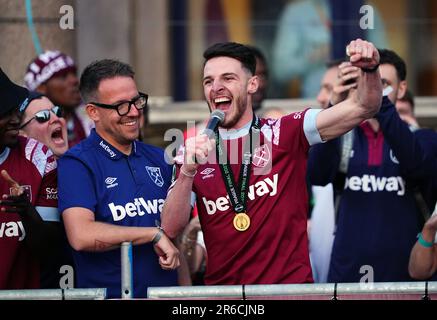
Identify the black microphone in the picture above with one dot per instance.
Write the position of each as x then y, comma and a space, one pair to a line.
217, 117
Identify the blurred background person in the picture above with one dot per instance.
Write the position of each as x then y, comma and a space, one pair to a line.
303, 43
405, 107
54, 74
377, 219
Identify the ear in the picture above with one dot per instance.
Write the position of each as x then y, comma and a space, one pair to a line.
253, 84
92, 112
402, 89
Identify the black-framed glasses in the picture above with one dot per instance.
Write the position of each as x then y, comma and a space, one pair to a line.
123, 108
44, 115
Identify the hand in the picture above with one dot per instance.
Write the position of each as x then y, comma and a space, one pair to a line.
168, 253
16, 189
16, 202
197, 150
431, 225
363, 54
191, 230
347, 80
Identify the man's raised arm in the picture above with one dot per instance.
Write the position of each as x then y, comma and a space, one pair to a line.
361, 105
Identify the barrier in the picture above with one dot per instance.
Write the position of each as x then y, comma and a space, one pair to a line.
316, 291
54, 294
126, 270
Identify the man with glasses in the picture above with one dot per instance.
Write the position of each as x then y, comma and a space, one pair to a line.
112, 188
29, 228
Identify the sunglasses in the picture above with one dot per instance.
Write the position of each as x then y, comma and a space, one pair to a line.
123, 108
44, 115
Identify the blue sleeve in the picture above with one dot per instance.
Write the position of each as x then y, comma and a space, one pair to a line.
323, 162
413, 159
75, 185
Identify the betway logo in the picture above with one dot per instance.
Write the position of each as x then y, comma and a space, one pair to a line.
12, 229
132, 209
370, 183
107, 149
259, 189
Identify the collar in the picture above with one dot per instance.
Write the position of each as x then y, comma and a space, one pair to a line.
107, 149
228, 134
4, 155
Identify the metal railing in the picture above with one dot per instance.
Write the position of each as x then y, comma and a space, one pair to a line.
316, 291
54, 294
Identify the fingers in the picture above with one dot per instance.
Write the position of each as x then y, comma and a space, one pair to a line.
170, 261
198, 148
14, 185
362, 53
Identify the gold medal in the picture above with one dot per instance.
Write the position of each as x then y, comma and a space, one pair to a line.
241, 221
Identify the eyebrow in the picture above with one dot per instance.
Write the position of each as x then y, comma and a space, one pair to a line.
124, 100
222, 75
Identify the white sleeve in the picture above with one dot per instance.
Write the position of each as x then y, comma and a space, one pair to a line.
310, 127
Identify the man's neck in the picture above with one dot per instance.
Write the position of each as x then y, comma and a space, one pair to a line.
123, 148
374, 124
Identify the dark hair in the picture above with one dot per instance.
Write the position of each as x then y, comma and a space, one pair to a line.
408, 97
391, 57
100, 70
261, 57
234, 50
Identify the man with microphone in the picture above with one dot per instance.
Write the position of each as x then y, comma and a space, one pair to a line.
249, 180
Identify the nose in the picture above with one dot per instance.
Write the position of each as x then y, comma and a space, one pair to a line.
217, 85
133, 111
53, 117
72, 78
322, 98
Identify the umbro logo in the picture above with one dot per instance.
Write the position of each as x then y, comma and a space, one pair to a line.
110, 182
207, 173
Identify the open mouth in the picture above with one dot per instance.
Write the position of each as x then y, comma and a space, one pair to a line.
57, 137
130, 123
222, 103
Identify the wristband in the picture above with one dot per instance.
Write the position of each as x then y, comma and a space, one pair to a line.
187, 174
370, 70
423, 242
157, 236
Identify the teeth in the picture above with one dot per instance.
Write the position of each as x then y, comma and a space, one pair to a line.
132, 123
223, 99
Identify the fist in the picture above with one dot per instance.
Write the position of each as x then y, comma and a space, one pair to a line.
362, 54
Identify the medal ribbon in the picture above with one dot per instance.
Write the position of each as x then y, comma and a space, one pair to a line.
237, 195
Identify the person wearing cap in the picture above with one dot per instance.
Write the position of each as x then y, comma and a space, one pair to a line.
53, 74
44, 121
29, 228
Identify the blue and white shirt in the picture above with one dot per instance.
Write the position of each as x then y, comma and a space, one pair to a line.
121, 190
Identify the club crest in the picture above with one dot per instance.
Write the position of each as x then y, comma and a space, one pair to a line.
261, 156
155, 175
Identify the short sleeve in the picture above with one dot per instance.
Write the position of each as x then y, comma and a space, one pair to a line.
75, 184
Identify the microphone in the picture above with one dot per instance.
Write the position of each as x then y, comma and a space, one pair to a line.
217, 117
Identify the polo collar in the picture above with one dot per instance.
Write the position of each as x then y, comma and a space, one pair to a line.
228, 134
109, 150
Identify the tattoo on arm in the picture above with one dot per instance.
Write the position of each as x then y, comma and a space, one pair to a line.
104, 246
